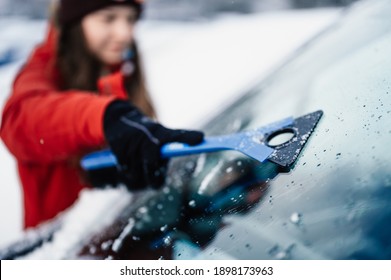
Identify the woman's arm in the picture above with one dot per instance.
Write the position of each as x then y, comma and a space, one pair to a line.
42, 124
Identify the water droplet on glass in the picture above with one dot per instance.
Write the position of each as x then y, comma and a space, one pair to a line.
167, 240
189, 165
143, 210
92, 250
273, 250
278, 253
166, 190
296, 218
281, 255
106, 245
229, 170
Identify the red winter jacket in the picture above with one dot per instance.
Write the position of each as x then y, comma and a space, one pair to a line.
48, 130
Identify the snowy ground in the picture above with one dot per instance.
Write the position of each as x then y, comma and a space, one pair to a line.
193, 70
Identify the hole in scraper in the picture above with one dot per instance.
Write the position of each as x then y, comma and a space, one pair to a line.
280, 137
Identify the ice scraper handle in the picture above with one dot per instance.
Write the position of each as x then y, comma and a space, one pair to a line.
210, 144
106, 158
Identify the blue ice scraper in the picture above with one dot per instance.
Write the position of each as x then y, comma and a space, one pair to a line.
259, 144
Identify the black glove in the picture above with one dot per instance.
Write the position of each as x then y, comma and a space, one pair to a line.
136, 140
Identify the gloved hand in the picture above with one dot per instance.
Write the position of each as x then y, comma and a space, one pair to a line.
136, 140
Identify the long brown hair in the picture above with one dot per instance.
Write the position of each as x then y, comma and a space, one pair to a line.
79, 69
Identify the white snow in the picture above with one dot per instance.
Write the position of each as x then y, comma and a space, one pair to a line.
193, 69
127, 230
94, 210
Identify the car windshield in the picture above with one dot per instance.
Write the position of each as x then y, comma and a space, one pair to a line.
338, 194
333, 203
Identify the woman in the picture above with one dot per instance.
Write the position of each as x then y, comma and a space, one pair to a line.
77, 93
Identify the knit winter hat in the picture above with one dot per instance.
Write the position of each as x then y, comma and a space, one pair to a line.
73, 10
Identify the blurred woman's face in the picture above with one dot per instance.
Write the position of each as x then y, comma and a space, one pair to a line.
109, 32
